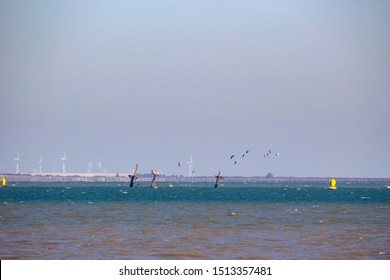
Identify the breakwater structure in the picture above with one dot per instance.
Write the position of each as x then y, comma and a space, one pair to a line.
117, 177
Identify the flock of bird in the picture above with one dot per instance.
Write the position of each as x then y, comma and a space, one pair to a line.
265, 155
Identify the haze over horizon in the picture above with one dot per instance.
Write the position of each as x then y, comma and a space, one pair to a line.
154, 82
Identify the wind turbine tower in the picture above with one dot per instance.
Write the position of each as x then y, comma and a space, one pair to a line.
17, 159
190, 165
63, 159
89, 166
99, 165
40, 163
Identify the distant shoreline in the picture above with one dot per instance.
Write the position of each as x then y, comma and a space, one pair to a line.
116, 177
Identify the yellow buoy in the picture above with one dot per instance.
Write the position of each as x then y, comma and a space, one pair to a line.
3, 182
332, 184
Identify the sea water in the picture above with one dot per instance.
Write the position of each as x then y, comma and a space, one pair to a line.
102, 221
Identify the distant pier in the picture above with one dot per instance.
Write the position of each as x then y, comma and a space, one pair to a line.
119, 177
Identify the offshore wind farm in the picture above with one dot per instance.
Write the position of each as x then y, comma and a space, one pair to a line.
90, 170
63, 167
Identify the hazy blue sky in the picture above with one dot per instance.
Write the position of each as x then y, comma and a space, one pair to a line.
152, 82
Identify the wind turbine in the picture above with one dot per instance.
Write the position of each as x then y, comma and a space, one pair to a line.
17, 159
99, 165
40, 163
190, 165
89, 166
63, 159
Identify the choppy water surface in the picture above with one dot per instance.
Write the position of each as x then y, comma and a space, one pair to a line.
194, 221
